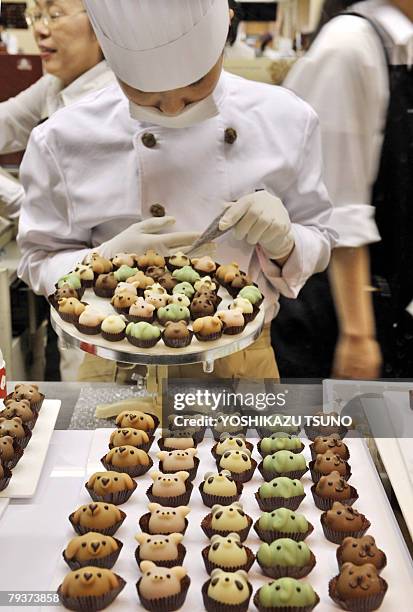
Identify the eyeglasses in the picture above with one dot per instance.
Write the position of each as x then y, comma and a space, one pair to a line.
48, 19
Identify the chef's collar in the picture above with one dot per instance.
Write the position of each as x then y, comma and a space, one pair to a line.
400, 29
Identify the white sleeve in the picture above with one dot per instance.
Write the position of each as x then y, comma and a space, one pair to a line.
309, 208
11, 196
50, 240
19, 115
344, 78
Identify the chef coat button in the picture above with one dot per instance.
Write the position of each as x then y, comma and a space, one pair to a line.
157, 210
149, 140
230, 135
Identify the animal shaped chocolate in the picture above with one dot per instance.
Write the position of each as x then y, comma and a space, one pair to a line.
229, 518
227, 551
169, 485
361, 551
333, 486
344, 518
330, 462
136, 419
176, 460
97, 515
358, 581
127, 456
89, 582
160, 582
166, 520
229, 588
159, 547
103, 483
128, 436
90, 546
220, 485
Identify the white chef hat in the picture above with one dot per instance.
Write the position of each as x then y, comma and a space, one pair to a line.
159, 45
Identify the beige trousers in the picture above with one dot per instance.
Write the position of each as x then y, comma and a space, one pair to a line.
255, 362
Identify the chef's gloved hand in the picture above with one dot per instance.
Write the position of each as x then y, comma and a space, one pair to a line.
145, 235
261, 218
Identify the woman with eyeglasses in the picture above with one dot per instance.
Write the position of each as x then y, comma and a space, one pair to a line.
74, 63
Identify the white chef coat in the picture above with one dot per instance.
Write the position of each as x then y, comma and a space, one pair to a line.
21, 114
88, 176
344, 77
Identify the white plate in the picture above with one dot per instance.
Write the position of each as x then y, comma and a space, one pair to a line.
27, 472
373, 503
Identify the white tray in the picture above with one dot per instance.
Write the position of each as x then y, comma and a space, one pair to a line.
373, 502
27, 472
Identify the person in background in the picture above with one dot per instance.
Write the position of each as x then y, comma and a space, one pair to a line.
8, 40
74, 63
236, 47
357, 76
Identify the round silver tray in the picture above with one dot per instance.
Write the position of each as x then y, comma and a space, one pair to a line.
124, 352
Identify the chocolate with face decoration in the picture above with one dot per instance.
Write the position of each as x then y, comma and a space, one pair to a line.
229, 518
12, 427
332, 443
160, 582
227, 551
19, 408
344, 518
236, 461
220, 485
89, 582
169, 485
129, 437
361, 551
167, 520
228, 442
229, 588
7, 450
159, 547
358, 581
333, 486
136, 419
97, 516
28, 392
127, 456
330, 462
103, 483
176, 460
90, 546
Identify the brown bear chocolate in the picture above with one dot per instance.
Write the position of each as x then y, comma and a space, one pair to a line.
330, 462
156, 272
90, 546
127, 456
19, 408
333, 486
7, 450
12, 427
333, 443
99, 264
240, 281
178, 330
205, 294
361, 551
128, 436
89, 582
202, 307
356, 581
106, 282
166, 520
103, 483
28, 392
344, 518
123, 299
167, 281
169, 485
150, 258
97, 515
65, 291
136, 419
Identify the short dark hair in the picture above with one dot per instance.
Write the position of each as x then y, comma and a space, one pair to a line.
233, 29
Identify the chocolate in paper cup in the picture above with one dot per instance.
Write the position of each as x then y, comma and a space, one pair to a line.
156, 421
234, 330
18, 454
144, 525
117, 498
210, 500
269, 535
91, 603
169, 448
86, 284
243, 476
110, 531
209, 566
268, 475
113, 337
172, 502
121, 311
314, 454
361, 604
70, 318
191, 471
217, 457
4, 482
315, 475
313, 432
23, 442
105, 562
209, 531
337, 537
326, 503
215, 606
30, 424
178, 342
340, 560
281, 571
104, 293
273, 503
145, 447
263, 454
89, 330
144, 344
261, 608
209, 338
170, 563
133, 472
35, 406
166, 604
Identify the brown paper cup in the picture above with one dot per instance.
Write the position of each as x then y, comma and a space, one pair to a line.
337, 537
110, 531
4, 482
209, 531
268, 476
379, 568
269, 535
326, 503
137, 319
249, 446
113, 337
118, 498
170, 563
91, 604
145, 344
214, 606
166, 604
362, 604
191, 471
209, 566
177, 342
144, 525
173, 502
23, 442
209, 338
261, 608
315, 475
211, 500
87, 330
314, 454
273, 503
104, 293
280, 571
105, 562
263, 454
133, 472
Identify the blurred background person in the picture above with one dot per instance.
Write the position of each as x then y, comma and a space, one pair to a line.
8, 41
357, 76
236, 47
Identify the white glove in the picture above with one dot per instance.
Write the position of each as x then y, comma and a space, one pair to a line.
145, 235
261, 218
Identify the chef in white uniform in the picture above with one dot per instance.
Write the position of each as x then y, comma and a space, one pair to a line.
179, 138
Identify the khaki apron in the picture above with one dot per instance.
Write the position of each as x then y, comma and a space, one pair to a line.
255, 362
